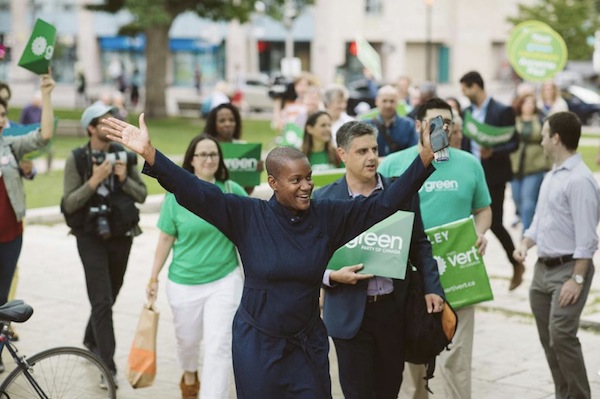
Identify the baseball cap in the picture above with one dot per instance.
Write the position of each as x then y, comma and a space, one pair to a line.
94, 111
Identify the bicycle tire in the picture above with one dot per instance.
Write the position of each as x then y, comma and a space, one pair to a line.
62, 373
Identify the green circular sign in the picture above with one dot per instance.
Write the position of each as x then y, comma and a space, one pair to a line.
536, 51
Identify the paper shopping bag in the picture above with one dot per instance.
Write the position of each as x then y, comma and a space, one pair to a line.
141, 367
462, 271
40, 48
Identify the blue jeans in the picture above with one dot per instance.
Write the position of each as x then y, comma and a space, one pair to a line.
9, 254
525, 194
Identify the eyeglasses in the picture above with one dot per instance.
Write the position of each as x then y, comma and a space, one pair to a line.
204, 156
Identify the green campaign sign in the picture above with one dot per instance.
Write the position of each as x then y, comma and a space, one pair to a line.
401, 109
292, 135
324, 177
241, 161
536, 51
40, 48
461, 268
382, 249
369, 57
484, 134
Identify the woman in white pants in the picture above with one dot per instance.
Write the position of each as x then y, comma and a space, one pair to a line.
204, 281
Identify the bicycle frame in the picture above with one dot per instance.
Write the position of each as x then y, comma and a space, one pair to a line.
19, 360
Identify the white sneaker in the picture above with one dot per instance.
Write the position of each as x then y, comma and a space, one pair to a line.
103, 384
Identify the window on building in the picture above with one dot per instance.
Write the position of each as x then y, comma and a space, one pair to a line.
374, 7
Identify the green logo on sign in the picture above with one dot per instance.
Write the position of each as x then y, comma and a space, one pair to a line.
536, 51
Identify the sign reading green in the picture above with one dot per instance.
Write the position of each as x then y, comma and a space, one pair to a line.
536, 51
461, 267
40, 48
382, 249
242, 162
484, 134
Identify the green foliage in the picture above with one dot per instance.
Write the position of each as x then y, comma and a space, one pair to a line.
574, 20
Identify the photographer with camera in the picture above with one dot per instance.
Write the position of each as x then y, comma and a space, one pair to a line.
101, 186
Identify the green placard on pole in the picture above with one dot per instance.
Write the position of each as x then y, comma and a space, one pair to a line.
39, 50
369, 57
241, 161
484, 134
292, 135
536, 51
462, 271
382, 249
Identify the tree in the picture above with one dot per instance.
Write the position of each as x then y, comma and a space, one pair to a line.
155, 17
574, 20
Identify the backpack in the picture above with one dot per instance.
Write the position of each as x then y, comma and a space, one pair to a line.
124, 214
426, 334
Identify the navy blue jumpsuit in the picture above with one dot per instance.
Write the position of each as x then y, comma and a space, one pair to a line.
280, 346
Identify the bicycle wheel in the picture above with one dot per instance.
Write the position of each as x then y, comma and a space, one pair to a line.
62, 373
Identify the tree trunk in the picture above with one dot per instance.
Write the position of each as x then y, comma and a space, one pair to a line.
157, 54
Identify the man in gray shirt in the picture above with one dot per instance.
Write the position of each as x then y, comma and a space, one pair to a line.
564, 230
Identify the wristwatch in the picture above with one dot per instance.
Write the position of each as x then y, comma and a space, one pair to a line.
578, 278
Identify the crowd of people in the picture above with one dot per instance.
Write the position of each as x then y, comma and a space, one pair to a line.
258, 312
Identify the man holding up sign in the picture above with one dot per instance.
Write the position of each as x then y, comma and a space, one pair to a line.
363, 313
456, 191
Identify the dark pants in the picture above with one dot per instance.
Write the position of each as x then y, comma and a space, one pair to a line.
497, 194
9, 255
104, 263
372, 362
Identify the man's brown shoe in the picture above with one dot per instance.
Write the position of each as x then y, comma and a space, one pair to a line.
517, 277
190, 391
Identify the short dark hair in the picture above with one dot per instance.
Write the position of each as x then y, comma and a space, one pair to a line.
222, 174
4, 104
568, 127
279, 156
351, 130
471, 78
211, 121
432, 103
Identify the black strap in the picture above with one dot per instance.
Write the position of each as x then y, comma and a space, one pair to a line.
385, 133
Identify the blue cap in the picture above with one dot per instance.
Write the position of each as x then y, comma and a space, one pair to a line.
94, 111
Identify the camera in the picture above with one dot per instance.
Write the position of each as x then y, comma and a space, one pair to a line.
128, 157
100, 214
283, 89
439, 139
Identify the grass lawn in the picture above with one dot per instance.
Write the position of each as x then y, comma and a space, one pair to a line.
170, 135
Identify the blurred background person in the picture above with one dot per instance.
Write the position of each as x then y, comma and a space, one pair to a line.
204, 285
529, 163
317, 144
456, 135
12, 193
32, 113
426, 91
335, 99
290, 104
403, 85
395, 132
81, 99
312, 103
551, 101
224, 124
136, 83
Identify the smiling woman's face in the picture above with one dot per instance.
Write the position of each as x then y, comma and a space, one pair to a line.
293, 185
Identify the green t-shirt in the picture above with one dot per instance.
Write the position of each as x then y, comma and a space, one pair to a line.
452, 192
201, 253
320, 161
